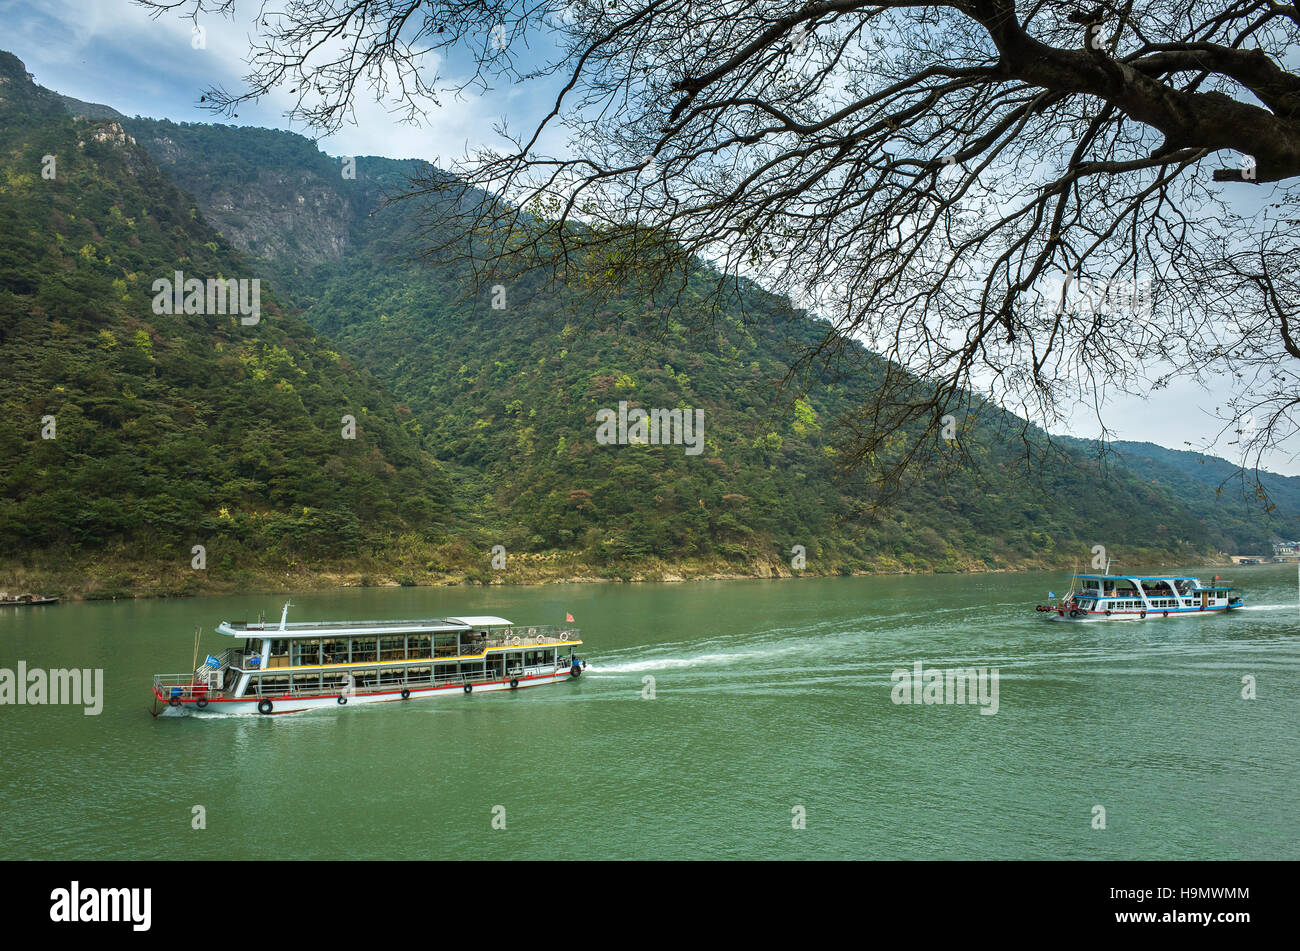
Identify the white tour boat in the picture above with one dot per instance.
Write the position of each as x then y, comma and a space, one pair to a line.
1135, 597
313, 664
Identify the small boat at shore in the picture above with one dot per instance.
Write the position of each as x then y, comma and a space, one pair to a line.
25, 600
1137, 597
325, 664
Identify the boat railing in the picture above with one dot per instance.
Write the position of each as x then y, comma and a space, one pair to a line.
188, 686
529, 636
334, 686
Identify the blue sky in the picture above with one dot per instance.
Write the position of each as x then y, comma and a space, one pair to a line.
112, 52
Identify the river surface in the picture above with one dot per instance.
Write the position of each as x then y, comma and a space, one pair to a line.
772, 709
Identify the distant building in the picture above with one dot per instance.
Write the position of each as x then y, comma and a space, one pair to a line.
1286, 548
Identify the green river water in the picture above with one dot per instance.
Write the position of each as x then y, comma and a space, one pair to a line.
771, 700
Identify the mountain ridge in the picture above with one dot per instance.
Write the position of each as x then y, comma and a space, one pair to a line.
503, 404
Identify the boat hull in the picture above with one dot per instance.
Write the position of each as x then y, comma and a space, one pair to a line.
218, 706
1156, 615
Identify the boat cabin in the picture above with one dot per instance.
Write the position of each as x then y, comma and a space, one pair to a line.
1112, 594
343, 658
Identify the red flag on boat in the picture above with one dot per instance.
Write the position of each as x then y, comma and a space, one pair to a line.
568, 618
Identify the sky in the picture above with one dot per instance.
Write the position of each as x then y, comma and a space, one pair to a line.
112, 52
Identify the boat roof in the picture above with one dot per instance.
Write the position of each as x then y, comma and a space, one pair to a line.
1213, 586
306, 629
1137, 577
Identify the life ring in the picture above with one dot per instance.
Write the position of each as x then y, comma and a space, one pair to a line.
1166, 614
564, 636
406, 694
469, 688
201, 703
514, 683
515, 641
1108, 612
264, 706
343, 701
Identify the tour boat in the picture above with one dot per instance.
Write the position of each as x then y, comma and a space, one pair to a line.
25, 600
313, 664
1134, 597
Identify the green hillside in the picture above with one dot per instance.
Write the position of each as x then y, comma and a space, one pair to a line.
508, 399
1240, 500
169, 431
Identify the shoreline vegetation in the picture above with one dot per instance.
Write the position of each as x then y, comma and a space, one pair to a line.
105, 577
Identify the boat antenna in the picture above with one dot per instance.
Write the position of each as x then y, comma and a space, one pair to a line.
194, 665
284, 615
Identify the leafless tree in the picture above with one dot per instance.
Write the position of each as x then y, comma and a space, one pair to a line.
1029, 205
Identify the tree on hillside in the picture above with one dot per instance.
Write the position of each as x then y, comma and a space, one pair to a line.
1036, 202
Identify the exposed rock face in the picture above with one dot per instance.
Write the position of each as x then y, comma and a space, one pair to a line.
109, 133
312, 228
294, 214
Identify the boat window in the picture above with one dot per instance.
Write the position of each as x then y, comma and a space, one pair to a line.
446, 644
363, 650
392, 648
334, 651
306, 652
418, 675
306, 682
272, 685
420, 645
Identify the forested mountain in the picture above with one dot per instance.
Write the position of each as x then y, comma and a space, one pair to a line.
130, 436
477, 425
1238, 498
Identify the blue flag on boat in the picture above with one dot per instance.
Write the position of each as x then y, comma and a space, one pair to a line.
212, 661
1051, 594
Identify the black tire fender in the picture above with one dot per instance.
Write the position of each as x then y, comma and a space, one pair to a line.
343, 701
265, 706
201, 703
514, 683
406, 694
469, 688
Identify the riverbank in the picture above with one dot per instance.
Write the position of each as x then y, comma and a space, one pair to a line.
111, 577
